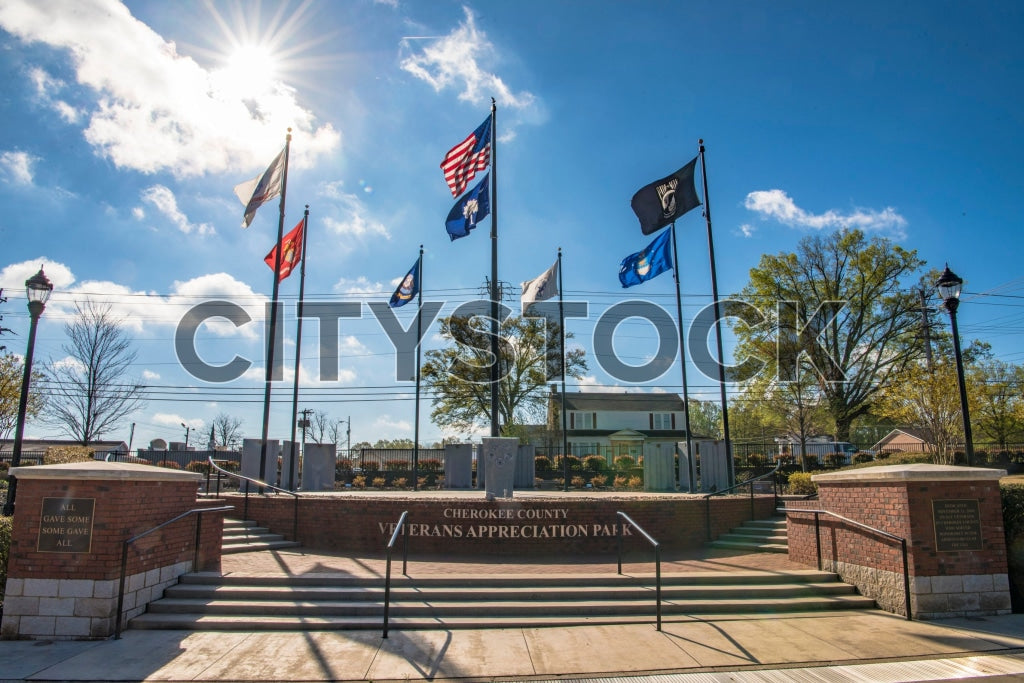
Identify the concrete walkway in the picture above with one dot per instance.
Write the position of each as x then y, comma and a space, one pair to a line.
850, 646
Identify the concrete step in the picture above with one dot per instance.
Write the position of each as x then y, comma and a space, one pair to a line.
205, 601
758, 535
244, 536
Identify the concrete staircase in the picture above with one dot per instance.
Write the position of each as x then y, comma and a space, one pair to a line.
245, 537
759, 535
209, 601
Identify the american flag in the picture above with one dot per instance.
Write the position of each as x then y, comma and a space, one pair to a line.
466, 158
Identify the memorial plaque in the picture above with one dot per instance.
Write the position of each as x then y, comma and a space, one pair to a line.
66, 525
957, 525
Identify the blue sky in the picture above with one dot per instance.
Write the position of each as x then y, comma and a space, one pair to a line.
126, 126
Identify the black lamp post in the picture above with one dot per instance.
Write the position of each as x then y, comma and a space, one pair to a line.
38, 288
949, 286
187, 430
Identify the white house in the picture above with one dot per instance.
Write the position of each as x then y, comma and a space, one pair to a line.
619, 423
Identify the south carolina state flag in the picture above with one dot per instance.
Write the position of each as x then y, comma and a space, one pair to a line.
291, 252
643, 265
469, 210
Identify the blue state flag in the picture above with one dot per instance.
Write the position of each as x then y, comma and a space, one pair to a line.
408, 288
643, 265
470, 210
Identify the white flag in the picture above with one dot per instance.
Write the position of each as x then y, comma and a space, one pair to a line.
254, 193
542, 287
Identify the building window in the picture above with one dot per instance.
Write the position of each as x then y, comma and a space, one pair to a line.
662, 421
582, 420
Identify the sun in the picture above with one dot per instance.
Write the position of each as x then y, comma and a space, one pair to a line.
250, 69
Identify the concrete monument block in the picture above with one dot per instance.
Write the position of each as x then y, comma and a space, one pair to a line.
687, 469
251, 462
499, 454
714, 465
290, 465
659, 467
458, 466
526, 473
318, 467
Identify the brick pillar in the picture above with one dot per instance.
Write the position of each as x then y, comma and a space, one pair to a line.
951, 517
70, 524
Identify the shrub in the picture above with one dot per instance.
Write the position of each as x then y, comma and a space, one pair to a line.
169, 464
882, 455
595, 463
624, 462
800, 484
379, 482
359, 482
342, 467
835, 460
542, 463
786, 459
863, 457
636, 482
422, 482
397, 465
578, 482
430, 465
232, 466
620, 481
1013, 511
401, 482
599, 481
370, 467
810, 462
59, 455
756, 460
573, 462
200, 466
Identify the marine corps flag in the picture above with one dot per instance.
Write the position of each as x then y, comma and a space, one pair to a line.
291, 252
665, 200
408, 288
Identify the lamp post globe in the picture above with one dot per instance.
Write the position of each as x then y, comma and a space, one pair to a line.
949, 286
37, 290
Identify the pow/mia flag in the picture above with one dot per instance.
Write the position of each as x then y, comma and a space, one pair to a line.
663, 201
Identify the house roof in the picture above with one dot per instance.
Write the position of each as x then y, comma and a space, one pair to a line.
914, 434
620, 401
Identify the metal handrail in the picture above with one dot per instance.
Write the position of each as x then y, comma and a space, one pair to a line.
401, 527
861, 525
657, 557
748, 482
262, 484
124, 554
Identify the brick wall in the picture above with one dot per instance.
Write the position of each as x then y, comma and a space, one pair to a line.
531, 526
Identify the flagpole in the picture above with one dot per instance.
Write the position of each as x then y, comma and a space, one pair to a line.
273, 313
718, 318
682, 357
495, 349
419, 336
298, 346
565, 427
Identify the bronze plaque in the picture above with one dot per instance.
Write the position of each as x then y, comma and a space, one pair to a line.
957, 525
66, 525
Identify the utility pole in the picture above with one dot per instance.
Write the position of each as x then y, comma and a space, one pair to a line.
304, 424
927, 330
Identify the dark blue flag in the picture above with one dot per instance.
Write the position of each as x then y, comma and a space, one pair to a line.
643, 265
468, 211
408, 288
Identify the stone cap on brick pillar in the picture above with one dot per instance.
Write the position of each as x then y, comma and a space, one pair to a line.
911, 472
100, 469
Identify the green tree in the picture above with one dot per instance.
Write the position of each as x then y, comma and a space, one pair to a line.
872, 336
394, 443
12, 372
89, 391
994, 398
927, 400
705, 418
459, 374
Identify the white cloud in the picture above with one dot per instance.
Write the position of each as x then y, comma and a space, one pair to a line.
150, 376
747, 230
357, 223
359, 285
158, 110
138, 213
46, 87
12, 277
17, 167
778, 205
385, 424
165, 202
457, 61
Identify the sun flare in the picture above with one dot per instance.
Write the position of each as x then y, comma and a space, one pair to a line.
250, 69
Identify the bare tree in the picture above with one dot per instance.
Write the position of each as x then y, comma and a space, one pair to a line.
319, 426
89, 390
227, 431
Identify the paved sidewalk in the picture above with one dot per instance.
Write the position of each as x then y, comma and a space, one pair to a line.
850, 646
